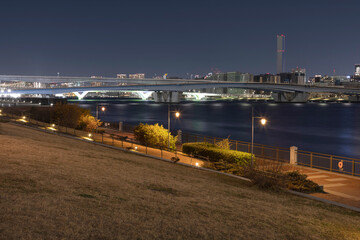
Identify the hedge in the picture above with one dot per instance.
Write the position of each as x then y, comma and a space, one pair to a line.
154, 135
215, 154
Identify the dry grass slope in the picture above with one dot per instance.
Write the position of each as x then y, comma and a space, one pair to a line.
53, 187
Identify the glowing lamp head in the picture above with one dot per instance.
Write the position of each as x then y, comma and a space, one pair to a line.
89, 135
177, 114
263, 121
53, 125
103, 109
23, 117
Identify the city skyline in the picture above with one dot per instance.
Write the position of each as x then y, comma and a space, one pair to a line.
78, 39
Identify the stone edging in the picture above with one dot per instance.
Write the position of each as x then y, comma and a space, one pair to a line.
356, 209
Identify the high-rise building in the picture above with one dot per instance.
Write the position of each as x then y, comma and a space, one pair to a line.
267, 78
239, 77
357, 70
298, 75
280, 67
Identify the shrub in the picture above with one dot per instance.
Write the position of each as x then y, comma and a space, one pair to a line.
216, 154
154, 135
266, 180
224, 144
88, 123
299, 182
222, 166
276, 180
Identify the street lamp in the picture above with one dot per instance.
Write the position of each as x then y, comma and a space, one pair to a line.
97, 110
177, 115
97, 114
262, 122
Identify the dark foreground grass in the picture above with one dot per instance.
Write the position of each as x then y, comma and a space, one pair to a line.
53, 187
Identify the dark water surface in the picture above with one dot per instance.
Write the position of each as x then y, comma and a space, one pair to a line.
332, 128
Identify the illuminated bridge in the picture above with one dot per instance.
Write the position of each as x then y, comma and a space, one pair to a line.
173, 92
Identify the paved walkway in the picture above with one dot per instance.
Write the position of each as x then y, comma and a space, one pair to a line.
338, 187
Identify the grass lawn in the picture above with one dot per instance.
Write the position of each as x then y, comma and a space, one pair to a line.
53, 187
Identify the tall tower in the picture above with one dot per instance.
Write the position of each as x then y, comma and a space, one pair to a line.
280, 68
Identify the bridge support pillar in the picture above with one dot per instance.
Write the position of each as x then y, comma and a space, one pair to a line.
167, 96
80, 95
354, 98
144, 95
291, 97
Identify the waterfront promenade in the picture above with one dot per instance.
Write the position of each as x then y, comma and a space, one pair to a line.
55, 186
340, 188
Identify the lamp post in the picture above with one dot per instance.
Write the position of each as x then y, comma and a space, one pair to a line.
97, 110
97, 114
177, 115
263, 122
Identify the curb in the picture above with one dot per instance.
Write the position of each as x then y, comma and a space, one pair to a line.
356, 209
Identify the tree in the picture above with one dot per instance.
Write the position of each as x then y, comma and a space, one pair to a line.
154, 135
89, 123
68, 115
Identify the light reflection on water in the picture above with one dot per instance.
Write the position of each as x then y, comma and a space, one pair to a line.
332, 128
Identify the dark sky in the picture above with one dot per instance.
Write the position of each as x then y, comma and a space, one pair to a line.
83, 38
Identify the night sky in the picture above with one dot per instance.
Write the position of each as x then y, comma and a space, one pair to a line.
83, 38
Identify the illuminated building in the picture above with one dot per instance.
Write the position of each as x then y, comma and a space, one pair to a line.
299, 75
137, 76
120, 75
